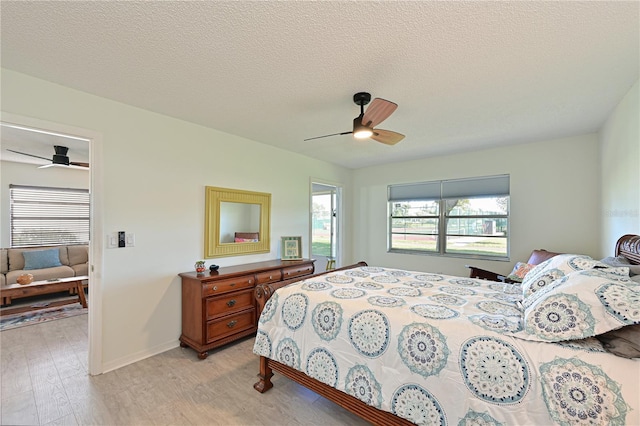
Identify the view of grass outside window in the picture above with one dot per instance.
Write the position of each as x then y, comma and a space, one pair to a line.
321, 229
475, 225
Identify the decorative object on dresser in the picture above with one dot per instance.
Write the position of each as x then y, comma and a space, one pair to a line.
220, 307
291, 248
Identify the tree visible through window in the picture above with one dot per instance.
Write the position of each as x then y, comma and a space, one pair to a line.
466, 217
48, 216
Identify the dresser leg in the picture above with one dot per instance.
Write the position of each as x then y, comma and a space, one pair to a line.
183, 345
203, 355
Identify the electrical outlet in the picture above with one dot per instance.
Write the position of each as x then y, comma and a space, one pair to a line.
131, 240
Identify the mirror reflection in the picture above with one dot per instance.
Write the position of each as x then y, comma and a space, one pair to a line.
239, 222
236, 222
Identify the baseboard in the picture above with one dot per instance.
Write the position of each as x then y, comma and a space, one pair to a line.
138, 356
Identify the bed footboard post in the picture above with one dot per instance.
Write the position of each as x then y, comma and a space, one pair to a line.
264, 384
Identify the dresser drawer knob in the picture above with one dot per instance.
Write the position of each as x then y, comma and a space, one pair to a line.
231, 302
215, 287
270, 277
232, 324
232, 284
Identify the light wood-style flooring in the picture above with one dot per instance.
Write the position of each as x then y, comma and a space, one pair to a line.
44, 381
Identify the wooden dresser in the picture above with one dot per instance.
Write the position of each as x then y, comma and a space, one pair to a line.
220, 307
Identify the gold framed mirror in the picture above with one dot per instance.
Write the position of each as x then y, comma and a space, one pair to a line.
237, 222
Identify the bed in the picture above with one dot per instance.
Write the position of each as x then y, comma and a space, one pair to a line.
405, 347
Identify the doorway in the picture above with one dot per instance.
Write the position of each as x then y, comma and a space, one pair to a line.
76, 139
325, 225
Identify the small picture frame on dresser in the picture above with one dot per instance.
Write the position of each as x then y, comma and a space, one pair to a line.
291, 248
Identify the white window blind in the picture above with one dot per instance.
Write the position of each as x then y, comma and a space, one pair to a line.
42, 216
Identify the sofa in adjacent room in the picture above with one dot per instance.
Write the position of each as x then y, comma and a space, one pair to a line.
44, 263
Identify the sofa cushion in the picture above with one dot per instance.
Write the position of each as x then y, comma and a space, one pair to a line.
78, 255
4, 261
16, 257
41, 259
41, 274
80, 269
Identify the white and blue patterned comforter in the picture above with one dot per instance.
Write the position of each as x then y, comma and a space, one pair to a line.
438, 349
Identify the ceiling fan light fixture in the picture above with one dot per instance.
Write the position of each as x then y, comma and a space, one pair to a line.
360, 131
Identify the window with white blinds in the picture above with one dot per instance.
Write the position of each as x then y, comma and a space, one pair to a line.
42, 216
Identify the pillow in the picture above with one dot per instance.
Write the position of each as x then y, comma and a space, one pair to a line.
40, 259
554, 268
581, 304
622, 261
624, 342
519, 271
245, 240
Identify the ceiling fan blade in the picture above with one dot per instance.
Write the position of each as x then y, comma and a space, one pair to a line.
386, 136
30, 155
333, 134
378, 111
79, 164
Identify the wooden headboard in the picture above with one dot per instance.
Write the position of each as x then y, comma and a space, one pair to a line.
629, 247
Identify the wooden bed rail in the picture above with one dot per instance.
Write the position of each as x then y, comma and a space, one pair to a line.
264, 291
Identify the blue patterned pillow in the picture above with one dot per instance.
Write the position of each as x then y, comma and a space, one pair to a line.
40, 259
553, 269
582, 304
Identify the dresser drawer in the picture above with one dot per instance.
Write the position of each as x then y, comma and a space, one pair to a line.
226, 304
232, 284
269, 276
231, 324
296, 271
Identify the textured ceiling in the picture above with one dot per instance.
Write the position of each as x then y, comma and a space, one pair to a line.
466, 75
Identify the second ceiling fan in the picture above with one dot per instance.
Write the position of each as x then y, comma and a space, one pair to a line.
364, 124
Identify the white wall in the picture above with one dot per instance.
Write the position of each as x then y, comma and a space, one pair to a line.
30, 174
620, 159
153, 172
555, 190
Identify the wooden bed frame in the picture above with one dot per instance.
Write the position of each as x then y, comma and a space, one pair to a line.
627, 246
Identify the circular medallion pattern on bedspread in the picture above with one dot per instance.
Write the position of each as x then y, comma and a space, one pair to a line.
385, 279
369, 285
429, 277
560, 317
386, 301
294, 310
322, 366
417, 405
434, 311
473, 418
369, 332
540, 282
356, 273
262, 345
270, 308
327, 320
423, 349
460, 291
448, 299
506, 288
339, 279
361, 383
621, 301
499, 308
288, 353
497, 323
418, 284
348, 293
494, 370
372, 269
579, 393
405, 291
464, 282
316, 286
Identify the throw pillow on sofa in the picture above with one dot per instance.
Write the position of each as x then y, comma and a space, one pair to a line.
41, 259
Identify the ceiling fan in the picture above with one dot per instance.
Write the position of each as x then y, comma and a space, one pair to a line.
364, 124
60, 158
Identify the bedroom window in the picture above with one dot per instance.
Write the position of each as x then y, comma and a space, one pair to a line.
461, 217
42, 216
